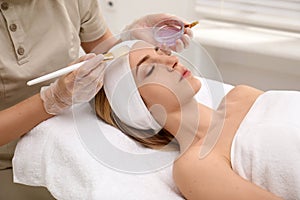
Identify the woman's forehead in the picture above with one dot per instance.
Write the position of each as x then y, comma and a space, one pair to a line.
141, 44
138, 51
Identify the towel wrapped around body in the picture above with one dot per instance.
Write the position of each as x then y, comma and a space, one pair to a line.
266, 147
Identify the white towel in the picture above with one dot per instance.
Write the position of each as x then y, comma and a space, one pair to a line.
53, 156
266, 148
56, 159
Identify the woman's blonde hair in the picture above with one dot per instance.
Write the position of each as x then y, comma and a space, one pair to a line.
157, 141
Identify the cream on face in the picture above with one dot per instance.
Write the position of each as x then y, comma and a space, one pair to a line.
161, 78
141, 84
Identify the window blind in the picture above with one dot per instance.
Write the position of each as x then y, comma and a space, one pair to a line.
278, 14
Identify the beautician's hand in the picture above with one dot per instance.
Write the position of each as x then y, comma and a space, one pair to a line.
142, 29
78, 86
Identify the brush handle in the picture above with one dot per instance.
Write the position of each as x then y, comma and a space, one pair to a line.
56, 74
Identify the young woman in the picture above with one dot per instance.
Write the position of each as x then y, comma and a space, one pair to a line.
163, 108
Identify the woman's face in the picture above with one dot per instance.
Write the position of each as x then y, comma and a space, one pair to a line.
161, 79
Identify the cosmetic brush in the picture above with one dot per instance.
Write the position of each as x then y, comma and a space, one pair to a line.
191, 24
108, 56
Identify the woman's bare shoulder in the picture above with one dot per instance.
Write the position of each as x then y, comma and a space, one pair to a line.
239, 100
213, 178
243, 91
191, 160
191, 172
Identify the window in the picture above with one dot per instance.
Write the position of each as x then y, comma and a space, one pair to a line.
276, 14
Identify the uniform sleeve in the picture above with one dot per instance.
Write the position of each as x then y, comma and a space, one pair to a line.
92, 25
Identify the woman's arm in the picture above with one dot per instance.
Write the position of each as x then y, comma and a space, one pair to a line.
21, 118
212, 178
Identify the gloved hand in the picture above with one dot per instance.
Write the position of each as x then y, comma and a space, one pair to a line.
142, 29
78, 86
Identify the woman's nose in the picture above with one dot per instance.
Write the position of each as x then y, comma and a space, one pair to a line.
170, 61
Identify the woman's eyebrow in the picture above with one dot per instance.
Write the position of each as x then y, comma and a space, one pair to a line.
141, 61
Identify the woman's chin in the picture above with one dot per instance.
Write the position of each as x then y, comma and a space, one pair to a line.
196, 84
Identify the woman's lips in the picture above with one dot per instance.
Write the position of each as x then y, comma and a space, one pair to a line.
185, 74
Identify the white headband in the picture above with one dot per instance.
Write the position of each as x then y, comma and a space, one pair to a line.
123, 95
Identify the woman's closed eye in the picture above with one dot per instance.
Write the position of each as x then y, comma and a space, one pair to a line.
147, 69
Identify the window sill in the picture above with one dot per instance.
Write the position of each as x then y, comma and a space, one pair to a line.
249, 39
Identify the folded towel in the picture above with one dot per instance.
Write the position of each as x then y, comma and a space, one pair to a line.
53, 155
266, 148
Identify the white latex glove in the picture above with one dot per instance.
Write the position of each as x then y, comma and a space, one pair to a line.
78, 86
142, 29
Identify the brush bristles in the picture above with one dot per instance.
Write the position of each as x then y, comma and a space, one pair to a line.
119, 51
108, 56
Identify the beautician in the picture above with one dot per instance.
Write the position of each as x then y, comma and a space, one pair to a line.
38, 37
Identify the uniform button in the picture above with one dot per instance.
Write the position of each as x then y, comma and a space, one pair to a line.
4, 6
21, 51
13, 27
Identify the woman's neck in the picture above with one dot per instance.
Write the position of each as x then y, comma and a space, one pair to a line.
189, 124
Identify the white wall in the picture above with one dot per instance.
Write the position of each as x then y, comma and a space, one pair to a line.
125, 11
260, 71
236, 66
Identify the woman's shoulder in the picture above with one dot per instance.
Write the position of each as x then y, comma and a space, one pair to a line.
191, 172
239, 97
192, 159
244, 91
